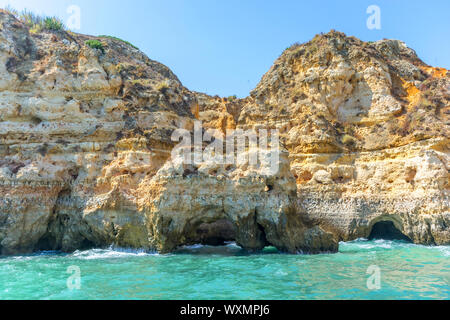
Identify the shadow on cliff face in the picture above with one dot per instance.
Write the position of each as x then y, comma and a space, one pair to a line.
216, 233
246, 233
386, 230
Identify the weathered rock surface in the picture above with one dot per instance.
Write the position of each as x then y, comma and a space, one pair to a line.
85, 148
366, 126
85, 155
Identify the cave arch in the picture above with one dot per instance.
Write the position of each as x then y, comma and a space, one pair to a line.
387, 230
215, 233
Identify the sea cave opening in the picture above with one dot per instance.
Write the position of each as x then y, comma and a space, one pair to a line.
386, 230
222, 233
216, 233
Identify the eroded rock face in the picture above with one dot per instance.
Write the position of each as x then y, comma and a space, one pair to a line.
366, 126
85, 158
79, 126
85, 148
262, 209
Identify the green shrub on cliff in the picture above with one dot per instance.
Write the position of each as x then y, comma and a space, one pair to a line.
53, 24
95, 44
118, 39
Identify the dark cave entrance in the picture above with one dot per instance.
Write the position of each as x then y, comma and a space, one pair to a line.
216, 233
216, 236
386, 230
221, 232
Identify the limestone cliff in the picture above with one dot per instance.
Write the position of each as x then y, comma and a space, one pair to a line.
366, 126
85, 155
85, 148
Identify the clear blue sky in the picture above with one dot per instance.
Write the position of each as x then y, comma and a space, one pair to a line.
224, 47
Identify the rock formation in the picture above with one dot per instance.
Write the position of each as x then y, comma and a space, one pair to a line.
85, 148
366, 126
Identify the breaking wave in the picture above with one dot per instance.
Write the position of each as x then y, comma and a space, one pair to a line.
110, 253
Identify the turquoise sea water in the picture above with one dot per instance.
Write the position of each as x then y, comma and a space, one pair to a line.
407, 271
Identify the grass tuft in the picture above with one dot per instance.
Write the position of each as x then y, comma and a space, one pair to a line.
163, 87
348, 140
35, 22
11, 10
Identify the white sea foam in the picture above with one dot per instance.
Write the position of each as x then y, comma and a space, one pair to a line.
373, 244
445, 250
109, 253
227, 244
232, 244
362, 243
194, 246
281, 273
